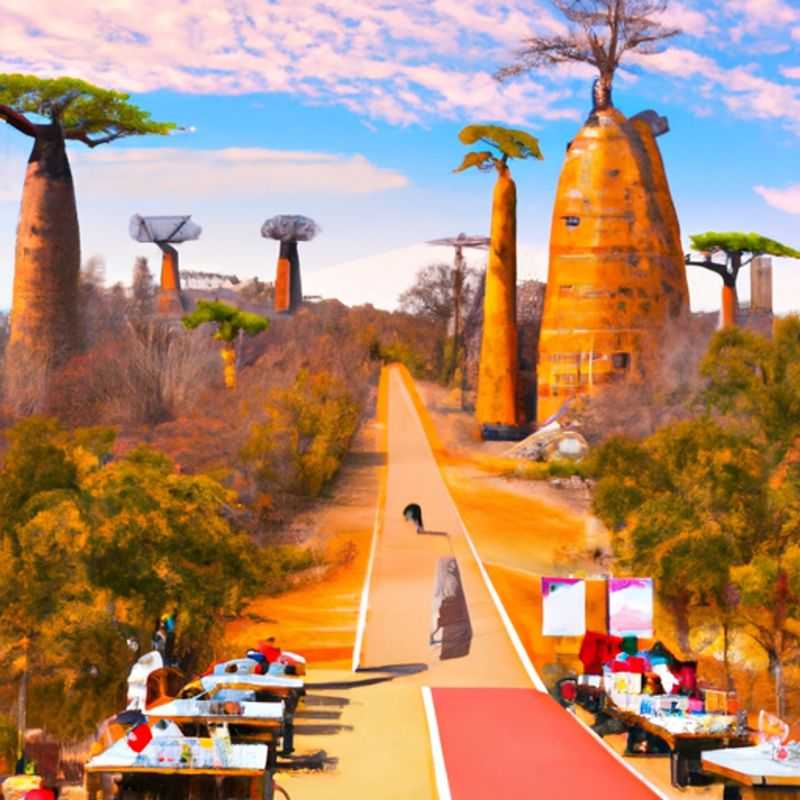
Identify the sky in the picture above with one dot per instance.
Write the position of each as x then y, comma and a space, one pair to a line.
348, 111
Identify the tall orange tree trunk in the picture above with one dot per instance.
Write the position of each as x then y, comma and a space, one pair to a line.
498, 372
228, 354
44, 315
169, 292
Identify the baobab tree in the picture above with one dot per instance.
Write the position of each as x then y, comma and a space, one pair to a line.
230, 322
737, 250
289, 229
47, 261
498, 376
600, 33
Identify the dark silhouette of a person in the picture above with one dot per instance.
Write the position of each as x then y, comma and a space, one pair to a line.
413, 513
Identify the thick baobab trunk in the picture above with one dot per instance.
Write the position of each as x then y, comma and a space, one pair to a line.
169, 292
288, 287
44, 320
498, 374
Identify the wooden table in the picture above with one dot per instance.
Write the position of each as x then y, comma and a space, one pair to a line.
757, 774
266, 687
685, 748
248, 761
258, 722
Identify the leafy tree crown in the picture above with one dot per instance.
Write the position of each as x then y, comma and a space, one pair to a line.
735, 242
229, 320
507, 142
86, 113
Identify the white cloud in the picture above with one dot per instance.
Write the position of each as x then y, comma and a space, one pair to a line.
791, 72
787, 199
237, 173
740, 89
689, 20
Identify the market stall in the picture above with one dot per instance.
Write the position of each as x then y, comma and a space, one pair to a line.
183, 767
265, 688
656, 697
247, 720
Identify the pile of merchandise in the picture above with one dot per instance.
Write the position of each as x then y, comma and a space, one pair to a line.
654, 684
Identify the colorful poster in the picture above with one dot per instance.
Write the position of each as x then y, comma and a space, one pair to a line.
563, 607
630, 607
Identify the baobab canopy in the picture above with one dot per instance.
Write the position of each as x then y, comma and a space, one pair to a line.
290, 228
754, 243
47, 262
85, 112
167, 229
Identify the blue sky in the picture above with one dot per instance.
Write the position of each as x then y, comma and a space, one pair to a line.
349, 112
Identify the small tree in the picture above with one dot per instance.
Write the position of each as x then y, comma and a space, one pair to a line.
47, 265
737, 250
142, 287
230, 322
498, 374
600, 33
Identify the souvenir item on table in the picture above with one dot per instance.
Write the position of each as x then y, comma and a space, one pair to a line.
786, 753
563, 607
596, 650
630, 607
139, 737
668, 680
652, 684
696, 706
686, 673
771, 728
716, 701
222, 744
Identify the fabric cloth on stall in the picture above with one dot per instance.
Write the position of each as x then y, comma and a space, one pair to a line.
596, 650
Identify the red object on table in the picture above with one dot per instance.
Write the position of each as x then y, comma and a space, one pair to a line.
40, 794
139, 737
596, 650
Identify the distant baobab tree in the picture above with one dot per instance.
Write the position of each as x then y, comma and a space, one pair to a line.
47, 261
737, 251
230, 322
289, 229
601, 32
166, 231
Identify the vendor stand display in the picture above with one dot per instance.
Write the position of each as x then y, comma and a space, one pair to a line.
265, 688
756, 771
655, 696
247, 721
187, 765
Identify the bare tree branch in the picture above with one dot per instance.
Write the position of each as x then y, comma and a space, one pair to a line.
601, 32
17, 120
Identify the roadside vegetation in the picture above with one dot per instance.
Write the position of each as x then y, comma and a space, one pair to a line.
134, 483
709, 506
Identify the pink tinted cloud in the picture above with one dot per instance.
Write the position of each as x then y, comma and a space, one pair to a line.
347, 51
786, 199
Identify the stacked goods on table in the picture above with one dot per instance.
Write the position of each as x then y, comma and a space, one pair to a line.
655, 685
